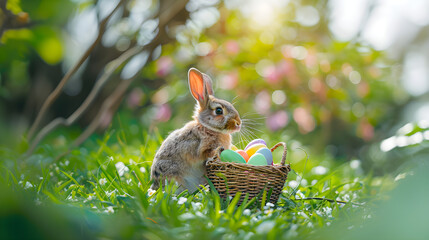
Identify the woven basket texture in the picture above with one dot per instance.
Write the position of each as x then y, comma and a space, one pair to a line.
229, 178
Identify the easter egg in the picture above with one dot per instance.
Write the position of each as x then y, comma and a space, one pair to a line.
267, 154
258, 160
234, 148
243, 154
231, 156
251, 150
256, 141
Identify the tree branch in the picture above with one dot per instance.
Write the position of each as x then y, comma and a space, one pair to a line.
110, 68
109, 104
57, 91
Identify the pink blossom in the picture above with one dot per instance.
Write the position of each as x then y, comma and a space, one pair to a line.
229, 81
164, 65
232, 47
134, 98
164, 113
277, 121
304, 120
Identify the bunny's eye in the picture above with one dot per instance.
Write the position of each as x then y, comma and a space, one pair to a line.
218, 111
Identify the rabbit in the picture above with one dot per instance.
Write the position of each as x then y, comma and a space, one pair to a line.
183, 153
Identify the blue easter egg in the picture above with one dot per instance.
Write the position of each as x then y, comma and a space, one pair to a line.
267, 154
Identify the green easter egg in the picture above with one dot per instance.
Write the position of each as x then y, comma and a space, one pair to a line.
258, 160
231, 156
267, 154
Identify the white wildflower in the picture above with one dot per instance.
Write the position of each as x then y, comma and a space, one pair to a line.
121, 168
319, 170
142, 169
268, 212
293, 184
129, 181
303, 214
132, 162
67, 162
186, 216
199, 214
51, 173
110, 193
182, 200
346, 187
150, 192
28, 185
174, 198
269, 205
102, 181
299, 195
265, 227
310, 225
221, 211
246, 212
355, 164
196, 205
89, 198
346, 197
328, 211
109, 209
313, 182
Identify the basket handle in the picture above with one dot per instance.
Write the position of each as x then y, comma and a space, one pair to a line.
284, 151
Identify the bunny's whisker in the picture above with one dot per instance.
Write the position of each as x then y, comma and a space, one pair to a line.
234, 100
252, 123
247, 134
251, 114
250, 134
252, 128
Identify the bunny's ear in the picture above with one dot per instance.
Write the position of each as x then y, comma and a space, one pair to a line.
208, 84
200, 85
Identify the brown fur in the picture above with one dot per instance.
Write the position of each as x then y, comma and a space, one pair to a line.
183, 153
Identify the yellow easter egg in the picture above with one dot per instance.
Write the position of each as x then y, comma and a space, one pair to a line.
234, 148
251, 150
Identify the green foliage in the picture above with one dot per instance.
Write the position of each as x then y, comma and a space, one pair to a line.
103, 187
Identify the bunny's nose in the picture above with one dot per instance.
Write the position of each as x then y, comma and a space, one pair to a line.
237, 124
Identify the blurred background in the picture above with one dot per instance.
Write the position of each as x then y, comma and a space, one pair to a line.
345, 80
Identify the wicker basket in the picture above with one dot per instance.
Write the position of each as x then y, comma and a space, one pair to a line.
248, 179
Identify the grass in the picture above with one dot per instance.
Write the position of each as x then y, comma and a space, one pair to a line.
102, 190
